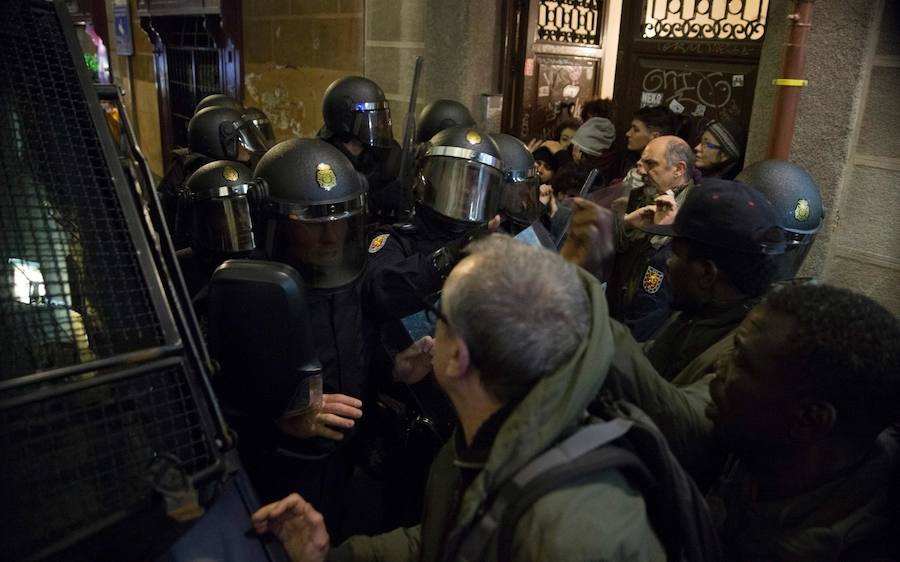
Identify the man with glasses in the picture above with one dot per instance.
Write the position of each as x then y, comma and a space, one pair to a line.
520, 378
639, 291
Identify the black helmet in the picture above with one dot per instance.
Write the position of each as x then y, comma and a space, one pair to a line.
461, 175
439, 115
520, 180
261, 121
220, 132
219, 199
219, 100
355, 108
799, 203
315, 211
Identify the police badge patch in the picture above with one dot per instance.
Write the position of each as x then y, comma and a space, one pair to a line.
378, 243
801, 211
653, 279
325, 176
229, 173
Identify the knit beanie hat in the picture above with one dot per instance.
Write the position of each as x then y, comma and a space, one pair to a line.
596, 135
728, 135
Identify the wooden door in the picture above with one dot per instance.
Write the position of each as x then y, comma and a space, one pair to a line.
561, 43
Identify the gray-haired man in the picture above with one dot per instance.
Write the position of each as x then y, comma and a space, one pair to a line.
522, 345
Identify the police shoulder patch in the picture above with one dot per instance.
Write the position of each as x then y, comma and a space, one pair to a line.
653, 279
378, 243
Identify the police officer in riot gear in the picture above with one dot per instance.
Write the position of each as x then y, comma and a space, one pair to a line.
218, 198
439, 115
521, 206
219, 100
262, 122
315, 222
358, 122
222, 133
214, 133
459, 186
799, 203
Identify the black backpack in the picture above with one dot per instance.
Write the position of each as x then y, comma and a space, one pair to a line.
618, 435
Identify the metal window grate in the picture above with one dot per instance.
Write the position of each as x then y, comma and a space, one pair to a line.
193, 66
71, 287
87, 453
575, 22
728, 20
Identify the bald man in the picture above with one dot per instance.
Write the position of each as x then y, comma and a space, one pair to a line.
639, 292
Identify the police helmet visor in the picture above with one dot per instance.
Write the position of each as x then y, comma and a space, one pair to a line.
461, 189
264, 126
521, 202
223, 224
250, 137
325, 243
373, 127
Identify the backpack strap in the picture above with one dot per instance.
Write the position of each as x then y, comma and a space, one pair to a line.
581, 471
470, 544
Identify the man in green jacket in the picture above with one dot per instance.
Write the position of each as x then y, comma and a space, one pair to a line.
522, 346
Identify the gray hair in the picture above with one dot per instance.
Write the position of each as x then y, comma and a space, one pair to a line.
677, 150
522, 313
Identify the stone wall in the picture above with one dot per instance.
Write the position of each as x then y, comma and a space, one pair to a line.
845, 137
293, 49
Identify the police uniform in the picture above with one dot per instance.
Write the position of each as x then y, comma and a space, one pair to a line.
638, 292
315, 223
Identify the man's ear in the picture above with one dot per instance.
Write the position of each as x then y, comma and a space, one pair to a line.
813, 419
705, 272
680, 169
458, 364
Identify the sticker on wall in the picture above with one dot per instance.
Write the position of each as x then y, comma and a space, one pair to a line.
651, 98
529, 67
737, 81
571, 91
676, 107
699, 111
544, 92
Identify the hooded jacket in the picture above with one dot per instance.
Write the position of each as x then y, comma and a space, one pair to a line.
602, 520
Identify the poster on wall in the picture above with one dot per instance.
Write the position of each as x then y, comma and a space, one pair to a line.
122, 25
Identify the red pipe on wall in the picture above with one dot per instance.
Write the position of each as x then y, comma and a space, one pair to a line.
787, 96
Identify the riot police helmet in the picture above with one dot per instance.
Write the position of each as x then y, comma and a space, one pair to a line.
315, 211
354, 107
220, 208
261, 121
798, 201
439, 115
222, 133
219, 100
520, 180
461, 175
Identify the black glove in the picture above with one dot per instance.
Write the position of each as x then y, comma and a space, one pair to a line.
445, 259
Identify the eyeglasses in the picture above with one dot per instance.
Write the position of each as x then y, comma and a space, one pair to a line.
432, 307
711, 146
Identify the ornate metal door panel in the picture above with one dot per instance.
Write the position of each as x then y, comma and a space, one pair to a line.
698, 57
561, 67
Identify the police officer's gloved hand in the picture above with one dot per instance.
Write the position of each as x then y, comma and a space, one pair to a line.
446, 258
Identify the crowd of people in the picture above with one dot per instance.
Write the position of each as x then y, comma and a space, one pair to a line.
521, 364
